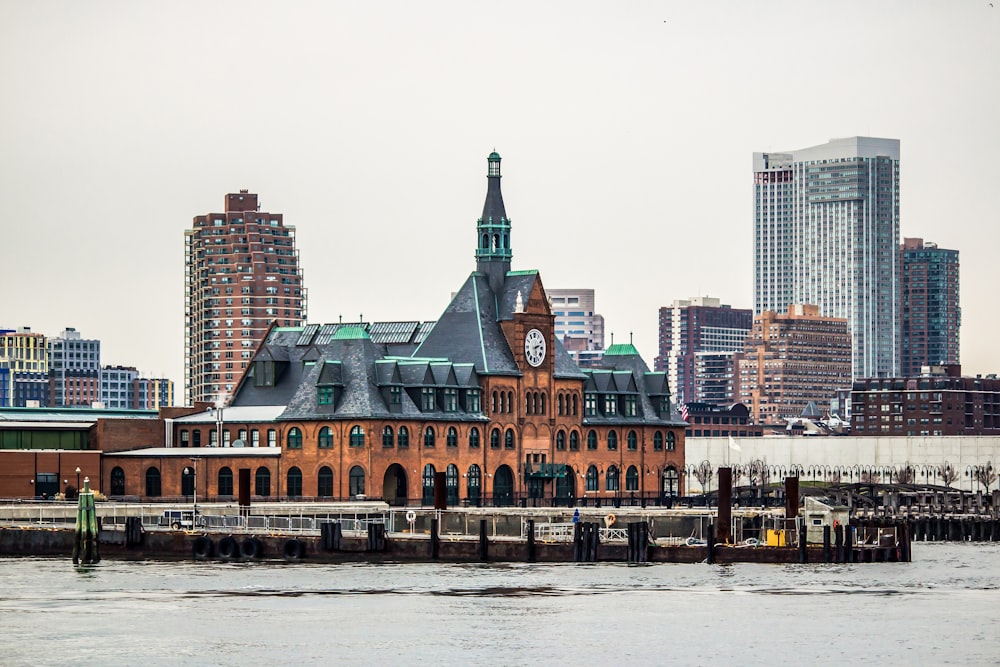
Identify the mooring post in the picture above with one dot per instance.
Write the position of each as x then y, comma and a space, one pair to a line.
826, 544
725, 519
434, 538
710, 546
803, 547
577, 542
484, 542
531, 540
838, 541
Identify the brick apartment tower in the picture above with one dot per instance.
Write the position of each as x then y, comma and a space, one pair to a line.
931, 312
241, 274
792, 359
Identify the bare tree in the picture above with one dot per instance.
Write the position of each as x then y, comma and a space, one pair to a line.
948, 473
870, 477
985, 475
757, 472
704, 474
906, 474
835, 476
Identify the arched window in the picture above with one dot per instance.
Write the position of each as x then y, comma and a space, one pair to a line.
543, 402
357, 481
403, 437
225, 481
559, 404
117, 481
187, 482
508, 439
153, 489
612, 440
324, 482
357, 436
494, 402
294, 482
510, 401
575, 407
591, 440
670, 487
262, 482
474, 485
325, 438
387, 437
592, 484
632, 479
657, 442
574, 441
428, 486
451, 479
671, 441
612, 478
495, 439
561, 439
452, 438
632, 440
474, 437
527, 403
294, 440
429, 436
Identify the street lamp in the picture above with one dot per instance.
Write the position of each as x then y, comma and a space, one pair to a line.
193, 471
78, 478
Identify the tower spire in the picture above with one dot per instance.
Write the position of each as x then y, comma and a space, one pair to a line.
493, 251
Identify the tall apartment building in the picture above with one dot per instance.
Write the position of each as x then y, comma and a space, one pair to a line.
122, 388
577, 325
242, 273
791, 359
74, 370
826, 232
929, 299
24, 368
690, 326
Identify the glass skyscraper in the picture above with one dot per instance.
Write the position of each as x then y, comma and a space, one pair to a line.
826, 232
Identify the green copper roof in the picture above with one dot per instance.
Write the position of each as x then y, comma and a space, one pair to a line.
351, 332
621, 349
493, 156
525, 272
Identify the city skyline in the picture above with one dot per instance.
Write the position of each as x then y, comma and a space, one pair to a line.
367, 128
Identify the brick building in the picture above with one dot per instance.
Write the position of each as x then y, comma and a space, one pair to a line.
487, 394
791, 360
242, 273
937, 402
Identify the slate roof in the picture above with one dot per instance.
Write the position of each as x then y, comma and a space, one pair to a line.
624, 372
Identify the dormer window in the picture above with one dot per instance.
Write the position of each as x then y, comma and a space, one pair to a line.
325, 395
630, 405
450, 399
472, 401
427, 399
664, 406
610, 405
263, 375
590, 405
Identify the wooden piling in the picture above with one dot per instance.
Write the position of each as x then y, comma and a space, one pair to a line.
434, 539
838, 541
484, 541
725, 519
826, 544
531, 540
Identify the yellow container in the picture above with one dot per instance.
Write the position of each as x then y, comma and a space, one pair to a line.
775, 538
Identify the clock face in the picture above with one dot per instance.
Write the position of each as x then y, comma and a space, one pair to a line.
534, 347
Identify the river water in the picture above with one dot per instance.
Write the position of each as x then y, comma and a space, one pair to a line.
940, 609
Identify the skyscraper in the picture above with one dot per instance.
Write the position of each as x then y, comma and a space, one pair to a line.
698, 324
242, 273
826, 232
931, 312
24, 368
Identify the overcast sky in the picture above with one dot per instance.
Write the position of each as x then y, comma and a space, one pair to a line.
626, 130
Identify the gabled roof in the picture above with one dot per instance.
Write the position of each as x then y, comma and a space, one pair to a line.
469, 331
